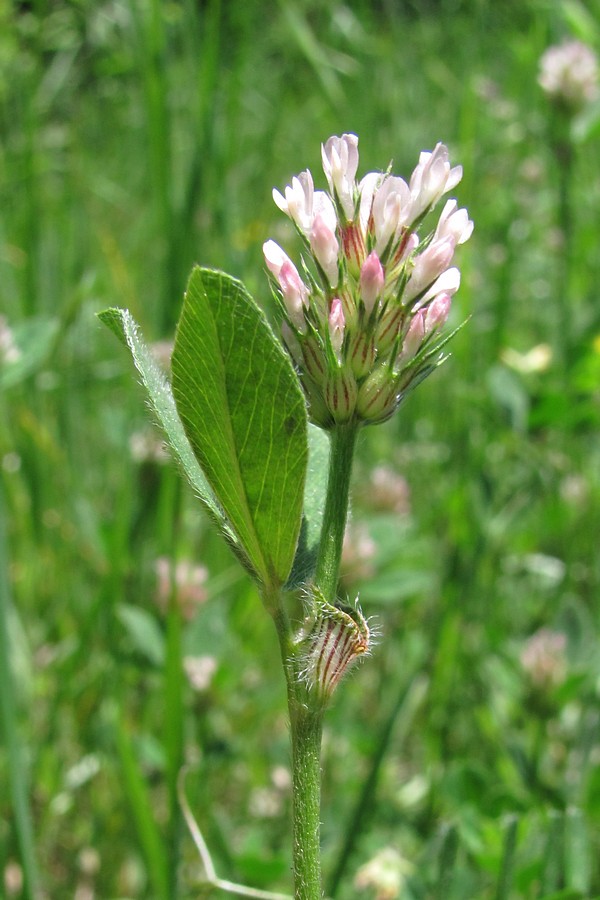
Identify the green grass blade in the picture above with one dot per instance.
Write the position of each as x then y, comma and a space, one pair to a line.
578, 858
16, 758
553, 854
568, 894
503, 890
173, 729
447, 861
143, 815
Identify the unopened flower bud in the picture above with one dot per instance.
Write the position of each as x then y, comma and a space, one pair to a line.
361, 353
413, 339
378, 396
295, 293
337, 326
388, 328
390, 209
349, 306
437, 312
298, 200
432, 178
334, 638
372, 280
429, 265
340, 395
317, 409
314, 359
407, 245
353, 246
291, 342
454, 223
447, 283
324, 246
340, 162
543, 658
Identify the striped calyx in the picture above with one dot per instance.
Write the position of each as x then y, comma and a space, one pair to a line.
332, 639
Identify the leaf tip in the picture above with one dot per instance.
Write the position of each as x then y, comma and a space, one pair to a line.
113, 319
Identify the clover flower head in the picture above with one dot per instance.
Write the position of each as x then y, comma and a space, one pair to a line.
543, 658
363, 320
184, 581
569, 74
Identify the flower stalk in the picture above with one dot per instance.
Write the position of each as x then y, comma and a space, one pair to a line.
307, 698
343, 442
306, 726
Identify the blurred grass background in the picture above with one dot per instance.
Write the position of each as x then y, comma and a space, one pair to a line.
462, 760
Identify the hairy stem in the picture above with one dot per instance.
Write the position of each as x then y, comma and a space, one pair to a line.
343, 441
305, 707
306, 729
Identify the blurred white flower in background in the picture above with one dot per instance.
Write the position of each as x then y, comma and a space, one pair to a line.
385, 873
9, 352
537, 359
185, 579
199, 671
569, 73
543, 658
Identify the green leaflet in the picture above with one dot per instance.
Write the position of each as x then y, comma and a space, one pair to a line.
243, 411
314, 507
121, 323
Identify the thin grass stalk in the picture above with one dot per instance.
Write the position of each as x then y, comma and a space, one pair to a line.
27, 114
15, 755
561, 146
578, 852
553, 854
447, 861
503, 889
152, 45
173, 733
204, 33
148, 833
167, 524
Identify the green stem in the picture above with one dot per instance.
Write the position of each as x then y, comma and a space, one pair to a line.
306, 719
306, 730
305, 710
343, 441
562, 148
